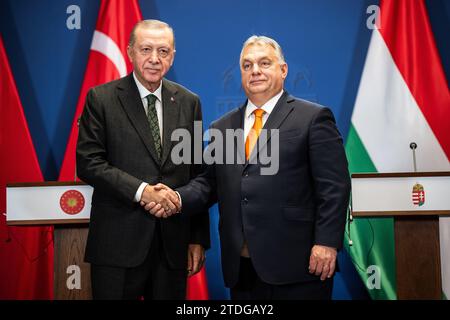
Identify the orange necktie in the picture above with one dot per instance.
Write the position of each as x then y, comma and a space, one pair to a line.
254, 132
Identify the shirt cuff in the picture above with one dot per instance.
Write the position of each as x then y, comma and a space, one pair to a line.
179, 198
138, 195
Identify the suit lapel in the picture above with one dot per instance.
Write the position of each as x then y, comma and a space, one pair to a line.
132, 104
171, 113
237, 122
276, 118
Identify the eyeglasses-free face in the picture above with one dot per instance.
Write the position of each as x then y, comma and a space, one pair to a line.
152, 55
262, 73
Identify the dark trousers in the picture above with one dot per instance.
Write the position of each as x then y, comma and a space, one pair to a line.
251, 287
153, 279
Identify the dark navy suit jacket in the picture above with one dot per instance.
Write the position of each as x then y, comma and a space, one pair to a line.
280, 216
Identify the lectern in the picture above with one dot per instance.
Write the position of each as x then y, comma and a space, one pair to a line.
66, 205
415, 201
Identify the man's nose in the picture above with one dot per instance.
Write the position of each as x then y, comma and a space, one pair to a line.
255, 69
153, 58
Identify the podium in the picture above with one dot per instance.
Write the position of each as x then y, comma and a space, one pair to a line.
66, 205
415, 201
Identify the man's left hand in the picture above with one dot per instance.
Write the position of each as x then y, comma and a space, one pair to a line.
322, 261
196, 258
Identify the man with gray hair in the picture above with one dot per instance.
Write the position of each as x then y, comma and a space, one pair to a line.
279, 233
123, 151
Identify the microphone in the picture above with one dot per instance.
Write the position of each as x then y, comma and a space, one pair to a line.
413, 147
75, 173
350, 220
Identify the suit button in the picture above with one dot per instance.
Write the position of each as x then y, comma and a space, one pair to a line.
246, 174
245, 201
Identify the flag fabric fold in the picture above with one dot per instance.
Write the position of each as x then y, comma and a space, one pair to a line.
26, 253
107, 61
403, 97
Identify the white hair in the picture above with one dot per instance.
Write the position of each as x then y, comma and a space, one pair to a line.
150, 24
263, 40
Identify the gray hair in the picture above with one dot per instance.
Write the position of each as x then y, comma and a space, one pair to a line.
263, 40
150, 24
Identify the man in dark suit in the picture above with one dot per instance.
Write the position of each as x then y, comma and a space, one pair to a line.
279, 232
123, 150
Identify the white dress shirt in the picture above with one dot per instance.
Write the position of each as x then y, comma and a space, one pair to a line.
249, 119
144, 92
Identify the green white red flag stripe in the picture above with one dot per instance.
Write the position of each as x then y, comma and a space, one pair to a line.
403, 97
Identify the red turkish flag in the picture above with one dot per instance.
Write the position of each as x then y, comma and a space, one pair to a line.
108, 61
26, 253
197, 286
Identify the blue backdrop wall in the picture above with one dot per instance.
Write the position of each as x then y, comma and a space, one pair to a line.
324, 41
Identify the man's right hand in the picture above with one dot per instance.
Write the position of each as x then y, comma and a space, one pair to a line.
154, 208
165, 199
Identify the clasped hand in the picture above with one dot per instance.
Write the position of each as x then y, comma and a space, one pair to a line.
160, 200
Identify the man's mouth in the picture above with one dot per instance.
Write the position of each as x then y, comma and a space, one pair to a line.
152, 70
256, 82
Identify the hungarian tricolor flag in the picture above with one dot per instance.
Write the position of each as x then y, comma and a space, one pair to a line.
26, 253
403, 97
108, 61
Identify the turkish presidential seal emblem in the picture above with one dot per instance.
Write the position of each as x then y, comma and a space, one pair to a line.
72, 202
418, 195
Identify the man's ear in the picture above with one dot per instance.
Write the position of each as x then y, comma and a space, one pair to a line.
284, 70
173, 57
130, 53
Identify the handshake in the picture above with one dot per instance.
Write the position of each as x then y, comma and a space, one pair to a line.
160, 200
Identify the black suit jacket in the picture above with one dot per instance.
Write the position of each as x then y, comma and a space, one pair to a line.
283, 215
115, 154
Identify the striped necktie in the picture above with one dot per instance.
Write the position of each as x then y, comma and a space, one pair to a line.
154, 125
